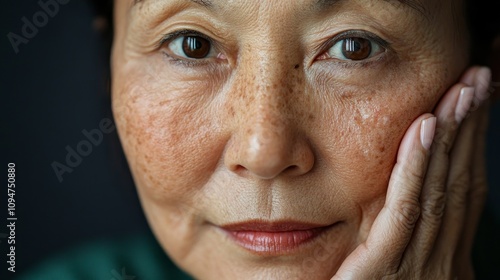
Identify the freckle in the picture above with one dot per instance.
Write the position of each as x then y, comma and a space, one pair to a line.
311, 117
381, 149
250, 97
152, 119
358, 120
151, 179
134, 99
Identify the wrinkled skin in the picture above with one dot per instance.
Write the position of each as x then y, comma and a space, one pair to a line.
270, 127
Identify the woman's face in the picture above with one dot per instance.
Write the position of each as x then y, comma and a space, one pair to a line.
261, 134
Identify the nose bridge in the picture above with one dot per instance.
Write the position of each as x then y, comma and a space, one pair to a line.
264, 135
267, 83
266, 90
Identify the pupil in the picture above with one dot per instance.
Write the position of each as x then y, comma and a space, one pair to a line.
356, 48
196, 47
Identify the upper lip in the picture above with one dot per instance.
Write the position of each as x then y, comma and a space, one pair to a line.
272, 226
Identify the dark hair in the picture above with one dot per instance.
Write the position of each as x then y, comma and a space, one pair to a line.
482, 18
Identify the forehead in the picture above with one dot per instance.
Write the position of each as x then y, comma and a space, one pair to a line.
412, 14
418, 6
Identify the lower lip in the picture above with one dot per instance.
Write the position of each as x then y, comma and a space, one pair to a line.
275, 243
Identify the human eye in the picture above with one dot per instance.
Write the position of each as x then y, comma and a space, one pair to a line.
354, 46
189, 46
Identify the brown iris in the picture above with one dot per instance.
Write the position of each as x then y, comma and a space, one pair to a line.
356, 48
196, 47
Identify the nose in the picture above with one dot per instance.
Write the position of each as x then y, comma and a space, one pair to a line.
267, 141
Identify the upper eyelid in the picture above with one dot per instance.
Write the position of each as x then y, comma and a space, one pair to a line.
182, 33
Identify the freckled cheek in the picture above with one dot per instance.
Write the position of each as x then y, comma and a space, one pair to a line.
167, 149
372, 154
372, 159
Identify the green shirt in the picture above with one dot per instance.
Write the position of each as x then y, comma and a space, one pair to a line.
137, 258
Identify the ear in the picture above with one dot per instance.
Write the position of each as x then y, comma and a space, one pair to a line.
495, 68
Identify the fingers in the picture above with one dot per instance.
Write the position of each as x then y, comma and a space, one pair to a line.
459, 183
475, 199
478, 191
477, 188
480, 78
451, 110
436, 195
380, 255
457, 188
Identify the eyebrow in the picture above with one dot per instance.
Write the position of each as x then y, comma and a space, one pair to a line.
323, 4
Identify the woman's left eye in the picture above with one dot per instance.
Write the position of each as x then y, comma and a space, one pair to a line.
353, 48
191, 47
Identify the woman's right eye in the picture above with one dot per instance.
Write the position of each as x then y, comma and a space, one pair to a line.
191, 47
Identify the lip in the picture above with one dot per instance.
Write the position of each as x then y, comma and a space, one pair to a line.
274, 238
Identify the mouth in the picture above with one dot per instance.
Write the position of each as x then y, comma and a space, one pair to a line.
274, 238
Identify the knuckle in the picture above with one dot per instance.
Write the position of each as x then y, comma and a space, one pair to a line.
413, 176
458, 189
433, 205
443, 141
406, 214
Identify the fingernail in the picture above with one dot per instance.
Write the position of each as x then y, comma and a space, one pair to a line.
482, 83
427, 130
464, 103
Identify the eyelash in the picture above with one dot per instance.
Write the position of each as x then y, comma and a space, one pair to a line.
323, 48
168, 38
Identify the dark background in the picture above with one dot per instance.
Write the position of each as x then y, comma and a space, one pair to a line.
56, 86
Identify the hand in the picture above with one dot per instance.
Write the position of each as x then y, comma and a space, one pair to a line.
435, 196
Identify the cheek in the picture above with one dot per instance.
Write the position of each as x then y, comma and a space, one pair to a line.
376, 136
163, 139
364, 134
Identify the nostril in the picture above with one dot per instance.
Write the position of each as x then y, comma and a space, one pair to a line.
263, 172
238, 168
291, 169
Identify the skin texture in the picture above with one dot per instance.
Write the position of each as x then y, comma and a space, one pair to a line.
270, 130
